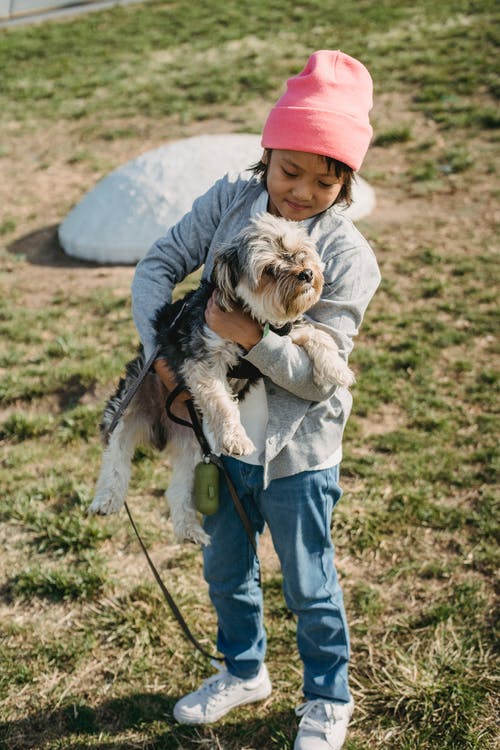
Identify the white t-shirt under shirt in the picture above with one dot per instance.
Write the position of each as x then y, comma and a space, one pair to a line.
253, 408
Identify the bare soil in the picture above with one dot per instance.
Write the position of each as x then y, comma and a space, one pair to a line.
47, 169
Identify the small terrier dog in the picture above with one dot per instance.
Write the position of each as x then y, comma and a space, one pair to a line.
273, 271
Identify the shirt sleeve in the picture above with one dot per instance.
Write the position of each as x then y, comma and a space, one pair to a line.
175, 255
351, 279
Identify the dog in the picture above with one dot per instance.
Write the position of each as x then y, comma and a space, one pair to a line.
273, 271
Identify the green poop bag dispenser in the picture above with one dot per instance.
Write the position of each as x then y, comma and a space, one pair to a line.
206, 487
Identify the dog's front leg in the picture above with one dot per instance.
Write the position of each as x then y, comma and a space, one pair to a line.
328, 365
184, 453
219, 408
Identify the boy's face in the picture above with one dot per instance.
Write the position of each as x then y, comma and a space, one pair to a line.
299, 184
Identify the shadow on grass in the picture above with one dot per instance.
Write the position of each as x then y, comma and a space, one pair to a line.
78, 726
42, 248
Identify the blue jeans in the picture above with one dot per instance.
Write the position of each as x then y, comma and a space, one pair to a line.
298, 511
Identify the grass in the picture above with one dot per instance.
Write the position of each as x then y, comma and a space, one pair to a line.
89, 655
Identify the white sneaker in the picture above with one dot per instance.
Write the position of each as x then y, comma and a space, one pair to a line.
219, 694
323, 725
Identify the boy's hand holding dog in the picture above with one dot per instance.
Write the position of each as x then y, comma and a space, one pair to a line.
167, 377
234, 325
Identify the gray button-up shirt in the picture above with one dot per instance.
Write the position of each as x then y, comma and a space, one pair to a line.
306, 421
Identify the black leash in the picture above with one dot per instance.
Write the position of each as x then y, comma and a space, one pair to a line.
130, 395
195, 425
168, 597
171, 603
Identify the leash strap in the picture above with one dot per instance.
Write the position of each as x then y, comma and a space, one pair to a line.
130, 395
195, 424
237, 502
198, 429
171, 603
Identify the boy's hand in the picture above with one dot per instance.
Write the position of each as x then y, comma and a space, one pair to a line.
167, 377
235, 326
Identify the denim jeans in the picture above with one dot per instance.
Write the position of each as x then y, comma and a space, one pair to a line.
298, 512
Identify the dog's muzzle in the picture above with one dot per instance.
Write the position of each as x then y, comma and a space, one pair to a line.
306, 275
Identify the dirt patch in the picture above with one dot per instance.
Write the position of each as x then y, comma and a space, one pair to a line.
47, 170
388, 418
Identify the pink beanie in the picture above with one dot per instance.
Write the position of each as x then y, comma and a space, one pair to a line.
324, 110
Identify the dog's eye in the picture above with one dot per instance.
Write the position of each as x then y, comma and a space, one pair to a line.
270, 271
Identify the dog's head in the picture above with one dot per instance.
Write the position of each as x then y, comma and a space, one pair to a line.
272, 268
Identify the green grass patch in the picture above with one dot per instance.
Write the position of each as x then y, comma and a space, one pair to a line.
59, 584
90, 656
209, 59
397, 134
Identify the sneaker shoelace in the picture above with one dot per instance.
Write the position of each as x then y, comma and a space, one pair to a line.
216, 685
317, 715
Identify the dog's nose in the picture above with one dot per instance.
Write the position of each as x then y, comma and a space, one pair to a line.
306, 275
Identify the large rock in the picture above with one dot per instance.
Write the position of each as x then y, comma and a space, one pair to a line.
121, 217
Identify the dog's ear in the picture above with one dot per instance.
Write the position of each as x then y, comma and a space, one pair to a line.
225, 275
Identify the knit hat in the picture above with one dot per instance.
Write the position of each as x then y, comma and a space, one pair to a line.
324, 110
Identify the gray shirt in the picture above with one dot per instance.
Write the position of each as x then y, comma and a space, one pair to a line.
306, 421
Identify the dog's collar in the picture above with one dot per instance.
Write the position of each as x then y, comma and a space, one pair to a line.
281, 331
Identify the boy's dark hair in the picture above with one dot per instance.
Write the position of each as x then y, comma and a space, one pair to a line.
342, 171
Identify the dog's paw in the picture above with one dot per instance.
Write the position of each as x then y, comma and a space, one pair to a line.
335, 371
191, 532
237, 444
344, 375
106, 503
